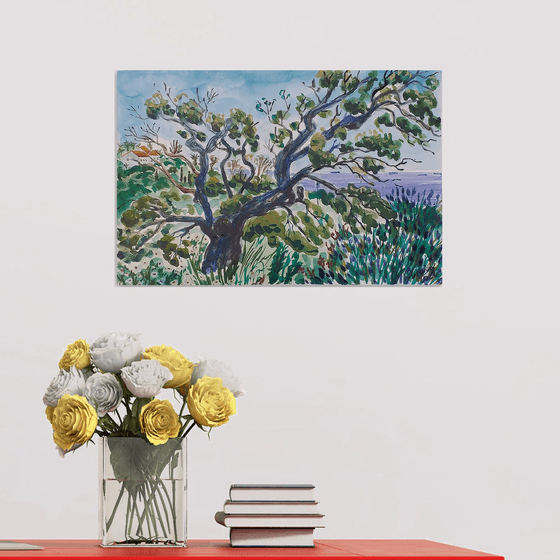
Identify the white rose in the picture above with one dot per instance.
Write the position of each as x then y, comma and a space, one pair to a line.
104, 392
145, 379
214, 368
115, 350
68, 382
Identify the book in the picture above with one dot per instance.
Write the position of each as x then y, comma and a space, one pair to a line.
271, 521
11, 545
247, 537
257, 508
271, 492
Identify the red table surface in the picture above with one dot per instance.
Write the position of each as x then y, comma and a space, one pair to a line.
209, 550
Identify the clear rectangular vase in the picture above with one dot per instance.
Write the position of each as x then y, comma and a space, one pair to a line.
142, 492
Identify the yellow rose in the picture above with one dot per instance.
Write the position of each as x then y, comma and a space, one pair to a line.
49, 412
159, 421
77, 354
73, 420
174, 361
210, 403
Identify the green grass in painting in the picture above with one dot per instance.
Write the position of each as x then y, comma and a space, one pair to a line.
155, 274
284, 267
253, 268
407, 250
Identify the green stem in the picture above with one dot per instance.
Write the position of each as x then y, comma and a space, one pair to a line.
172, 506
110, 521
158, 483
154, 533
128, 521
149, 510
155, 503
173, 484
140, 530
183, 406
181, 435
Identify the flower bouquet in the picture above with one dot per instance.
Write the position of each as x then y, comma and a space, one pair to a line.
108, 388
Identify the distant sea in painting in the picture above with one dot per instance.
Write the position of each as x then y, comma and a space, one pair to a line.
418, 185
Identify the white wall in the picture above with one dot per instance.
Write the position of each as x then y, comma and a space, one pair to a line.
417, 412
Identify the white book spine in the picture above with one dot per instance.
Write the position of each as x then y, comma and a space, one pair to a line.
271, 494
251, 537
278, 508
269, 521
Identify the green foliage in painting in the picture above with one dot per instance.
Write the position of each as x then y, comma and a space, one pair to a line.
157, 105
284, 267
407, 250
318, 156
136, 181
271, 226
383, 145
190, 111
423, 106
360, 207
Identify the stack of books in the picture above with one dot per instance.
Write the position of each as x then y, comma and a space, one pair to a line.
271, 515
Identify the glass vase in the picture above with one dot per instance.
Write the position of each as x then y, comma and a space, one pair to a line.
142, 492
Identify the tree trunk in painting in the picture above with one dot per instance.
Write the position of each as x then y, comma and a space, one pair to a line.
224, 249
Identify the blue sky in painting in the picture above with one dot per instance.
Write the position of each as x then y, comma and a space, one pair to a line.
237, 88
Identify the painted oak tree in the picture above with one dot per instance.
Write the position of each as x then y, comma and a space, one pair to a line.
343, 121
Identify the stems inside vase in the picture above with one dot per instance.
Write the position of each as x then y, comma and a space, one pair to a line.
153, 514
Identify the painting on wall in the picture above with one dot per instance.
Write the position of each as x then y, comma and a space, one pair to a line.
279, 178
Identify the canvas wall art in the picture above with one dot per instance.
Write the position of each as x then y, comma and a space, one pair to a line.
279, 178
